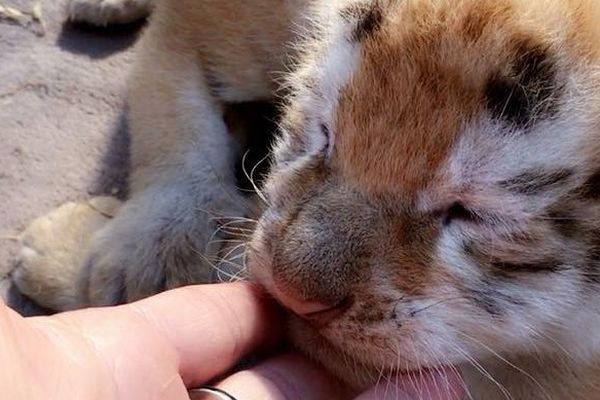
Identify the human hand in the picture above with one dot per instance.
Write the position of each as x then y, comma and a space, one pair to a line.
156, 348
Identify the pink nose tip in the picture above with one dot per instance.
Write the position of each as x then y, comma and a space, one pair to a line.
317, 313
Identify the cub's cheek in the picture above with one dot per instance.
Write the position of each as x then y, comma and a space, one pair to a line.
259, 273
259, 259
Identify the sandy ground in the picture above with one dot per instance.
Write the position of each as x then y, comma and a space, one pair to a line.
62, 130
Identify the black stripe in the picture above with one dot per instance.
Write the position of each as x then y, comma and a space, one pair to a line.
498, 267
527, 267
535, 181
591, 187
486, 294
368, 19
529, 90
563, 220
592, 267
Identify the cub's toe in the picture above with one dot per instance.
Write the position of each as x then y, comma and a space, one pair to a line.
48, 265
106, 12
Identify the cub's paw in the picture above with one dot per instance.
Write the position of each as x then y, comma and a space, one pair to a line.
106, 12
48, 265
153, 246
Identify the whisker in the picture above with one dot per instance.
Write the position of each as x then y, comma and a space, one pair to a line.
397, 369
422, 378
241, 220
212, 213
464, 385
241, 275
232, 228
512, 365
237, 257
253, 170
438, 370
437, 303
217, 241
484, 373
249, 177
236, 234
212, 265
235, 198
228, 261
230, 219
555, 342
411, 377
419, 373
226, 257
233, 223
380, 373
235, 231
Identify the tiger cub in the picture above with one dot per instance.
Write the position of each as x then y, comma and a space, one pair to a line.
434, 194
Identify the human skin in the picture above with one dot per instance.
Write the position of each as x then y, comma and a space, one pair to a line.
159, 347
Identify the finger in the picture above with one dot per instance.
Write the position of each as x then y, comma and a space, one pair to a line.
209, 327
36, 362
284, 377
213, 326
422, 385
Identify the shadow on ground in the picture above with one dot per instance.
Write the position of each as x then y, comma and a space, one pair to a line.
116, 163
95, 45
111, 181
98, 43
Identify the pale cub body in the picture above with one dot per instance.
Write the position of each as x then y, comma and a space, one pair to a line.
479, 208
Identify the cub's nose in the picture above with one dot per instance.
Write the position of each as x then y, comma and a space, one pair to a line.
322, 255
317, 313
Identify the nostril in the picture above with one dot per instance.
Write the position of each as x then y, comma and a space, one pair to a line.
325, 316
317, 313
307, 308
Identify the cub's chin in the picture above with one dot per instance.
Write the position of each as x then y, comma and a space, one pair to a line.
358, 368
347, 367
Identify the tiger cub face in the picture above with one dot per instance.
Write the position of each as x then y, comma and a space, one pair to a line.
435, 191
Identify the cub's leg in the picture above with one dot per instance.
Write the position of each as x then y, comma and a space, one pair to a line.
105, 12
183, 181
53, 248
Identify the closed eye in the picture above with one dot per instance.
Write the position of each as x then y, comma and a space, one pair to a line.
458, 212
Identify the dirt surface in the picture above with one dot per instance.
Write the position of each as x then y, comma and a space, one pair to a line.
62, 129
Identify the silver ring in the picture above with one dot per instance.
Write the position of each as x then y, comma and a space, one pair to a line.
217, 393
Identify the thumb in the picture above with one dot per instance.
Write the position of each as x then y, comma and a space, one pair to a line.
422, 385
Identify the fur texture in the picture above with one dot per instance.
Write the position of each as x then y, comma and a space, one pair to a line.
435, 182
